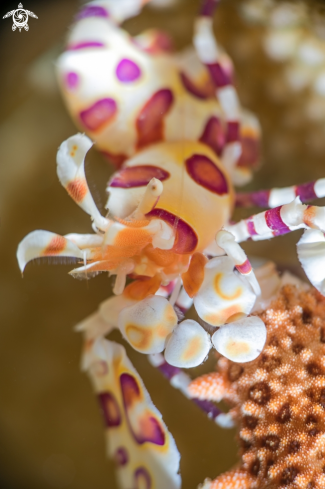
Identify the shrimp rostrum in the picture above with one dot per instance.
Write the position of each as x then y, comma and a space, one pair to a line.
167, 236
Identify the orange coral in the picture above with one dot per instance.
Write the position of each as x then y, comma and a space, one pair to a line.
278, 399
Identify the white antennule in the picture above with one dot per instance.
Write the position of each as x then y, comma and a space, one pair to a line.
150, 198
71, 172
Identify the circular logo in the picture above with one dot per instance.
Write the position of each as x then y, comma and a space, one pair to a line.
20, 18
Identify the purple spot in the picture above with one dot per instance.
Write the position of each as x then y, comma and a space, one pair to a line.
208, 7
274, 221
121, 456
71, 80
150, 121
92, 11
127, 71
206, 173
85, 45
110, 409
260, 198
98, 114
233, 132
141, 477
251, 227
306, 191
145, 428
219, 75
245, 267
138, 176
192, 88
186, 239
214, 135
250, 149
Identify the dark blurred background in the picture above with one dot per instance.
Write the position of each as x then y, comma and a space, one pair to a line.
51, 434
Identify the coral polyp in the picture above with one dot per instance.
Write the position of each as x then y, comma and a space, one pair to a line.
278, 400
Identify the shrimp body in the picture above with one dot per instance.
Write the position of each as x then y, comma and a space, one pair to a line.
197, 197
127, 93
174, 127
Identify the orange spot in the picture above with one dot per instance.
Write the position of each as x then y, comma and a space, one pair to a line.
236, 317
192, 349
193, 278
55, 246
248, 131
77, 189
88, 344
139, 337
309, 216
170, 315
235, 348
112, 409
163, 332
232, 311
140, 289
221, 316
218, 289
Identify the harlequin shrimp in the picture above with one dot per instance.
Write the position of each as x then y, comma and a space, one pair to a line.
173, 125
